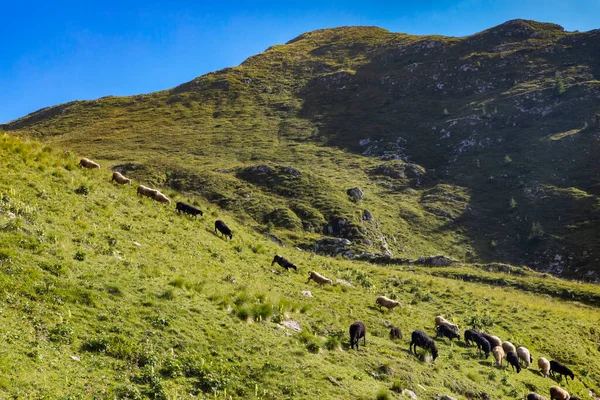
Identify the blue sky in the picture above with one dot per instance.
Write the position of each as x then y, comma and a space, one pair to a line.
52, 52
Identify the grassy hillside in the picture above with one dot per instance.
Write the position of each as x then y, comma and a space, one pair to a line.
482, 147
109, 295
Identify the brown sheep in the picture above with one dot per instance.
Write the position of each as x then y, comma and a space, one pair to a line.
390, 304
87, 163
119, 178
499, 354
161, 198
508, 346
146, 191
557, 393
320, 279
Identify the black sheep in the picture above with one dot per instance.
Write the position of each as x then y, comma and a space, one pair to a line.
357, 331
220, 225
535, 396
513, 360
483, 345
283, 262
187, 209
445, 331
561, 370
420, 338
395, 333
470, 336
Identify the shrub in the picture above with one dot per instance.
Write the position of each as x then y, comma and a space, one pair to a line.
79, 255
83, 190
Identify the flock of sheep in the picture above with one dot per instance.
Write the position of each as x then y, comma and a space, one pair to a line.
486, 344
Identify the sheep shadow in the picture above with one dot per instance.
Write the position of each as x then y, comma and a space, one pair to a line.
222, 237
486, 363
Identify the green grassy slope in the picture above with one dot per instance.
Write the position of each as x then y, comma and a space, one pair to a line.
499, 125
108, 295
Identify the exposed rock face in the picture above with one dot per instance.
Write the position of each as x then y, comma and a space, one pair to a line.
356, 193
434, 261
332, 246
366, 216
341, 227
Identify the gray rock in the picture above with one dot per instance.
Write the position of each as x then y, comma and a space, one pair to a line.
355, 193
366, 216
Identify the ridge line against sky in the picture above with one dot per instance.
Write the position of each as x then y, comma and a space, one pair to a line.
60, 51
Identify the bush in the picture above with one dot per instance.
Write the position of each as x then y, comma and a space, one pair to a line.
79, 255
83, 190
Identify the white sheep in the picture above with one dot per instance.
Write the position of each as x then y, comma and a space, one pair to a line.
544, 365
87, 163
439, 320
557, 393
524, 355
499, 354
388, 303
320, 279
119, 178
146, 191
161, 198
508, 346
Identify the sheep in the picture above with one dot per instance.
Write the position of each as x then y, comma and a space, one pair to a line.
499, 354
535, 396
146, 191
557, 393
395, 333
221, 227
524, 355
483, 345
420, 338
445, 331
387, 303
513, 360
180, 206
544, 365
495, 341
161, 198
561, 370
357, 331
119, 178
320, 279
87, 163
470, 336
490, 340
508, 346
283, 262
439, 320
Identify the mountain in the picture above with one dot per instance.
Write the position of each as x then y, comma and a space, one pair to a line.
484, 148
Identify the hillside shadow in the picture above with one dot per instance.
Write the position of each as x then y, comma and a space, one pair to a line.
388, 106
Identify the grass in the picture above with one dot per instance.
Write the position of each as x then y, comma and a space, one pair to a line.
161, 307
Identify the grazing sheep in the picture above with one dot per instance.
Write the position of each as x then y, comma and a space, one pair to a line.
180, 206
420, 338
161, 198
561, 370
535, 396
483, 345
445, 331
320, 279
357, 331
395, 333
283, 262
470, 336
387, 303
557, 393
508, 346
87, 163
439, 320
524, 355
544, 365
119, 178
146, 191
513, 360
489, 339
221, 227
495, 341
499, 354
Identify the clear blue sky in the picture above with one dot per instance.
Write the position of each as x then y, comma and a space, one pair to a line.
52, 52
